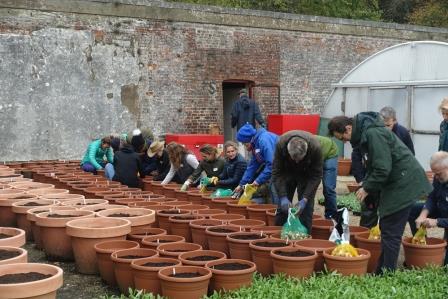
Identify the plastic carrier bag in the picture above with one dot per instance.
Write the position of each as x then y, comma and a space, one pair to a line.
221, 193
345, 250
249, 191
293, 229
420, 236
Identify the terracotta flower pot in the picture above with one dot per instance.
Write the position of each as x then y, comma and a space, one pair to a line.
139, 217
319, 246
321, 229
30, 185
270, 216
173, 250
177, 204
169, 190
164, 215
103, 254
344, 167
198, 230
348, 265
87, 232
61, 197
56, 243
145, 273
352, 187
194, 208
143, 204
200, 257
294, 262
101, 207
216, 237
235, 208
180, 225
226, 218
230, 274
195, 197
13, 237
180, 195
419, 256
126, 201
247, 224
7, 216
268, 230
80, 203
12, 255
44, 288
220, 203
49, 191
122, 265
176, 287
210, 212
356, 230
261, 253
373, 246
239, 244
137, 234
153, 242
258, 211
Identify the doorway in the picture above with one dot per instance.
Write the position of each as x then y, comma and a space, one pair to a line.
230, 91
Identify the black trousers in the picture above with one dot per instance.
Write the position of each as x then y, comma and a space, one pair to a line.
392, 228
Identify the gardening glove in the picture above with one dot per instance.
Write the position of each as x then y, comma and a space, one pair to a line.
301, 206
214, 180
205, 181
185, 186
284, 204
237, 192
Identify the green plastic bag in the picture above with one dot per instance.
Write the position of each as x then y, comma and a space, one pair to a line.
293, 229
221, 193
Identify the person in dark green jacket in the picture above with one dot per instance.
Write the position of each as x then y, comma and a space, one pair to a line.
392, 171
96, 152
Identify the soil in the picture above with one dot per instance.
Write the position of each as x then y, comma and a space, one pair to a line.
121, 215
271, 244
60, 216
97, 210
297, 253
231, 266
186, 275
184, 217
221, 230
177, 250
8, 254
203, 258
171, 212
131, 257
4, 236
23, 197
22, 277
208, 224
86, 204
144, 234
248, 237
33, 204
158, 264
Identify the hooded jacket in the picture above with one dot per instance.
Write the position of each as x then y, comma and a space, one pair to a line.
245, 110
392, 169
127, 165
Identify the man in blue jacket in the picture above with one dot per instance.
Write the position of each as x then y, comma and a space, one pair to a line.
262, 145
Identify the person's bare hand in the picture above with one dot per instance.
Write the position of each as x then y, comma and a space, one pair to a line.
429, 222
361, 194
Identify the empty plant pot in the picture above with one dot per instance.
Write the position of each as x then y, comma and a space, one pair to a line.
319, 246
216, 237
12, 255
180, 225
153, 242
294, 262
261, 253
13, 237
198, 230
145, 273
235, 208
247, 224
55, 241
164, 215
238, 244
173, 250
230, 274
348, 265
184, 282
321, 229
226, 218
419, 255
139, 217
373, 246
122, 265
137, 234
41, 285
87, 232
200, 257
30, 185
258, 211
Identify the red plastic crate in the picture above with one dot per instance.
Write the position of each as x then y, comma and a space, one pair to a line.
281, 123
194, 141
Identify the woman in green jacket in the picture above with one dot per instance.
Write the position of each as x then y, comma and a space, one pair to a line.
96, 152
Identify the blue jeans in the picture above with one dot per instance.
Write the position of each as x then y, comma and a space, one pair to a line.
329, 176
109, 171
88, 167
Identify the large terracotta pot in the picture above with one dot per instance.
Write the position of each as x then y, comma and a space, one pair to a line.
195, 197
49, 191
258, 211
40, 289
419, 256
356, 230
348, 265
55, 241
198, 230
268, 230
319, 246
176, 204
247, 224
344, 167
210, 212
235, 208
261, 253
122, 265
226, 218
173, 250
13, 237
87, 232
321, 229
228, 276
164, 215
12, 255
220, 203
184, 288
270, 216
7, 216
103, 254
373, 246
193, 208
180, 225
153, 242
216, 237
80, 203
30, 185
137, 234
239, 244
62, 197
294, 262
180, 195
100, 207
200, 257
139, 217
145, 273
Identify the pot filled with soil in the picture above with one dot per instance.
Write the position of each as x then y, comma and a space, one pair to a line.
247, 224
210, 212
122, 265
198, 230
176, 204
200, 257
226, 218
220, 203
258, 211
268, 230
216, 237
12, 255
80, 203
145, 273
180, 225
422, 255
347, 265
27, 186
321, 229
55, 241
195, 197
319, 246
164, 215
143, 204
45, 192
261, 253
103, 254
270, 216
30, 280
139, 217
194, 208
7, 216
63, 197
13, 237
173, 250
184, 282
239, 244
230, 274
101, 207
153, 242
137, 234
85, 233
294, 262
235, 208
373, 246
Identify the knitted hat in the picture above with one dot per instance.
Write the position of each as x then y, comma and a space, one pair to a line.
155, 147
137, 140
246, 133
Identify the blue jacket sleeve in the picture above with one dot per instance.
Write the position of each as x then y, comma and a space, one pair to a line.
92, 149
240, 167
268, 155
250, 171
442, 222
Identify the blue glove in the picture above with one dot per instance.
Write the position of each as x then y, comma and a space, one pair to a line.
301, 206
284, 204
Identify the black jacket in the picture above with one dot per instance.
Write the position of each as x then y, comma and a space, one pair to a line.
148, 164
245, 110
163, 166
127, 165
232, 173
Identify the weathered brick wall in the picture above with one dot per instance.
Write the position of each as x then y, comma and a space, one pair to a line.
75, 72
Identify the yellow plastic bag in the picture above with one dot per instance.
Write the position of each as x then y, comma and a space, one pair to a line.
420, 236
246, 198
345, 250
375, 233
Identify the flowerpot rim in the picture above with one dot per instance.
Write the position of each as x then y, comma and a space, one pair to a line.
225, 226
183, 256
233, 240
317, 248
194, 223
250, 222
19, 208
161, 247
148, 240
261, 207
96, 201
181, 212
209, 212
207, 275
23, 253
225, 217
63, 196
99, 247
43, 220
138, 263
364, 237
144, 216
113, 227
440, 243
106, 206
136, 232
115, 256
364, 254
253, 267
173, 220
252, 244
195, 207
275, 255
